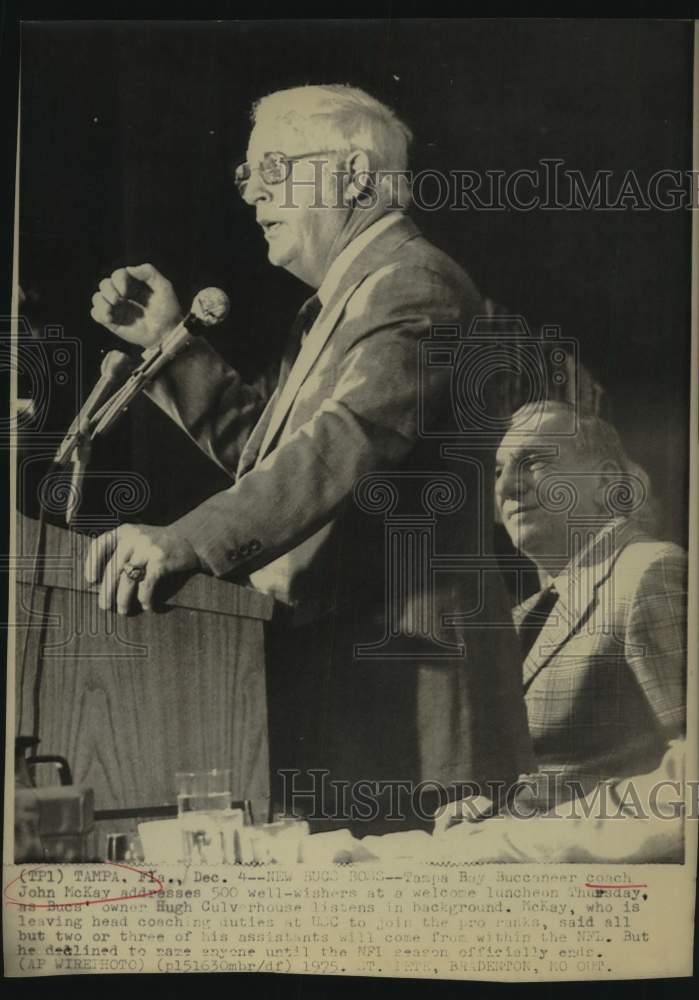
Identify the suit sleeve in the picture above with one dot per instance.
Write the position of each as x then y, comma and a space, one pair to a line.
656, 638
209, 400
369, 421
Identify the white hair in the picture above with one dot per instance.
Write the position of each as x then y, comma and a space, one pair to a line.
346, 116
597, 440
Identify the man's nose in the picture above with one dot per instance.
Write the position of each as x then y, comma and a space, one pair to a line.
512, 482
256, 189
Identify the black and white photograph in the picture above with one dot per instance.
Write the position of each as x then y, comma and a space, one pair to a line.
352, 372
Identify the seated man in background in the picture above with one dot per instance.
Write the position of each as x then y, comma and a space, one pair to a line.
604, 642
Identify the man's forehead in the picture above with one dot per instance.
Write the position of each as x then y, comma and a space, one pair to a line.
277, 136
542, 432
513, 445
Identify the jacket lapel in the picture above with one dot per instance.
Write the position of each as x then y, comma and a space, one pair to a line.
370, 259
577, 593
520, 611
307, 357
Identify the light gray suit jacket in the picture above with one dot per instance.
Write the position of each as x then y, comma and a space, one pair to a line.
304, 523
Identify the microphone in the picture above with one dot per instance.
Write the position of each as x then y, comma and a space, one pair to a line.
210, 306
114, 368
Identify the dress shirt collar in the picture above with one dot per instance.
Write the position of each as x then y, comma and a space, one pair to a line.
346, 257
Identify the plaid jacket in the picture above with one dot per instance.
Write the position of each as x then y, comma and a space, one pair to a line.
605, 679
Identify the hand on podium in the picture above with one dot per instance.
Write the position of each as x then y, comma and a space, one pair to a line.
131, 559
138, 304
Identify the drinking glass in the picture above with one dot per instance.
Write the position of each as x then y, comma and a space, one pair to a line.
279, 842
210, 827
125, 846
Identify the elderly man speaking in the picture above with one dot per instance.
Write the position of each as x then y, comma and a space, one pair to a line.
366, 682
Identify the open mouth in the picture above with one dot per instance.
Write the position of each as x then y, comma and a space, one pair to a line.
270, 227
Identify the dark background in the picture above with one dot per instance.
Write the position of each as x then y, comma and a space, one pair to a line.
130, 129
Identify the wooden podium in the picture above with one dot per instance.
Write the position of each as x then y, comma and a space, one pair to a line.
130, 700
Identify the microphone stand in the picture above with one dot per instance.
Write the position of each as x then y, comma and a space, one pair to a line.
154, 359
75, 447
209, 307
80, 460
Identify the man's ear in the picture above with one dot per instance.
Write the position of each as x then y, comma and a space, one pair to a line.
360, 179
607, 472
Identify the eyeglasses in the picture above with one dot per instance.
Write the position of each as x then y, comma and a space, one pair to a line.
274, 168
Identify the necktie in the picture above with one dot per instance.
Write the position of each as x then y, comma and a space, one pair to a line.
535, 619
305, 318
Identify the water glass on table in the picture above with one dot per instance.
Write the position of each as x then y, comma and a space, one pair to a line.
124, 847
279, 842
210, 827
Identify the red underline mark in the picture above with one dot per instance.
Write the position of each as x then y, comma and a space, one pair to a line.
616, 885
87, 902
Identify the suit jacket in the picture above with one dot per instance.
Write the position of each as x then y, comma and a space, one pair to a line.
306, 522
605, 680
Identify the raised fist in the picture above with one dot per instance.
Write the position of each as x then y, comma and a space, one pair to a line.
137, 304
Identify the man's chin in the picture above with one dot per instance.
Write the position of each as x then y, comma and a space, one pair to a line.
276, 259
537, 542
526, 537
280, 256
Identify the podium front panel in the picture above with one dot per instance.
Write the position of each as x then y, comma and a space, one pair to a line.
130, 700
